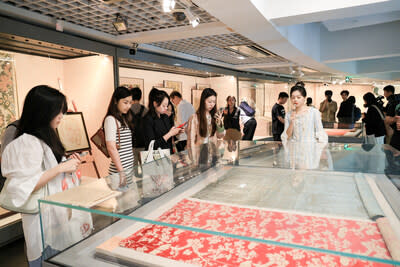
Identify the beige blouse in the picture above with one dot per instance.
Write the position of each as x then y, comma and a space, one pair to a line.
193, 133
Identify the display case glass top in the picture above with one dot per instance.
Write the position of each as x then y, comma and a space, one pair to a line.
233, 203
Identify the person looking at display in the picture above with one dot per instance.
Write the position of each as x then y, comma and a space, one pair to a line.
206, 124
184, 110
346, 109
118, 128
231, 116
328, 109
309, 102
374, 120
36, 159
157, 125
278, 116
139, 111
390, 111
247, 118
302, 123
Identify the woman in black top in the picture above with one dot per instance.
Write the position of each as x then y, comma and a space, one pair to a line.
231, 114
374, 120
157, 125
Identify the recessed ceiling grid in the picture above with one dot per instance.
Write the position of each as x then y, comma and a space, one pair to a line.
212, 47
40, 48
141, 15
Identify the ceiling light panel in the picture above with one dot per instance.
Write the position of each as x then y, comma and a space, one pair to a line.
142, 15
215, 47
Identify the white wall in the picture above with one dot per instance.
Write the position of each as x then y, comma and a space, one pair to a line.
224, 86
31, 71
89, 81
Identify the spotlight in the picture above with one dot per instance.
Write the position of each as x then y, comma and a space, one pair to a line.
192, 18
179, 15
168, 5
133, 49
120, 23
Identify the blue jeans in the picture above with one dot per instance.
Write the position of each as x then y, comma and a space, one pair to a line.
47, 253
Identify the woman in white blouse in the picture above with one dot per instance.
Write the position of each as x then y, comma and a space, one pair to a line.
118, 128
304, 131
36, 159
303, 123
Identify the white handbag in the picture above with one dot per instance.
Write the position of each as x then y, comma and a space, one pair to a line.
31, 205
158, 175
151, 154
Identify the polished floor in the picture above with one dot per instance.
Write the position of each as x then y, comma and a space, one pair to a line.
13, 255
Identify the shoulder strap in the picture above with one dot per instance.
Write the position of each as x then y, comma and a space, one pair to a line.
119, 136
379, 111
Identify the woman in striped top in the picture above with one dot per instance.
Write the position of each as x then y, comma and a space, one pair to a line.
118, 130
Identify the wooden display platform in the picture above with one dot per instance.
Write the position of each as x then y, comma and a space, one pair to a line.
5, 213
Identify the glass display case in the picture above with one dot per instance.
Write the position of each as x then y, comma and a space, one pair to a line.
234, 204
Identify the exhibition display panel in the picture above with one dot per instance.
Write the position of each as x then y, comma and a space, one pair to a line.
236, 204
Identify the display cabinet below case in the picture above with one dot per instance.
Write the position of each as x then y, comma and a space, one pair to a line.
235, 204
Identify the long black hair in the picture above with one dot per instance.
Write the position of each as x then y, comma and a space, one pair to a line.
42, 104
157, 96
369, 99
201, 113
125, 119
227, 101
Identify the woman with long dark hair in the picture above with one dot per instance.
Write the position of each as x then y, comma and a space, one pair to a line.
118, 130
374, 120
36, 159
231, 116
206, 124
157, 125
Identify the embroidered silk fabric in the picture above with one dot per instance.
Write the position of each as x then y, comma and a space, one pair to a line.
359, 237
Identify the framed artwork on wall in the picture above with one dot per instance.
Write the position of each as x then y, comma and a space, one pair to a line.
174, 85
200, 86
167, 90
8, 91
72, 132
131, 83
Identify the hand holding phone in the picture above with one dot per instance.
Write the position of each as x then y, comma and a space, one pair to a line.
182, 125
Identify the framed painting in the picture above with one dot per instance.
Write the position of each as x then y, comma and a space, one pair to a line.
8, 91
131, 83
200, 86
174, 85
72, 132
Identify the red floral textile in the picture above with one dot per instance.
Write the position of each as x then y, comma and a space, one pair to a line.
359, 237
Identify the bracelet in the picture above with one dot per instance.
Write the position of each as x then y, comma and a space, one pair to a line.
220, 129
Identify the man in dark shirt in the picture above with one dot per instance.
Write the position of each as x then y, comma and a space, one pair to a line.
390, 111
278, 116
345, 114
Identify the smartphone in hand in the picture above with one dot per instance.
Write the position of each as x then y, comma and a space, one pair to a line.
182, 125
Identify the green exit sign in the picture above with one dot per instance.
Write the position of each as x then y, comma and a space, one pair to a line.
348, 79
